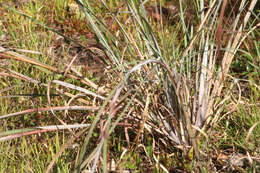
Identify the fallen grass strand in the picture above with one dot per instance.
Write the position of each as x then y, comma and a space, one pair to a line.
68, 85
19, 57
58, 108
13, 134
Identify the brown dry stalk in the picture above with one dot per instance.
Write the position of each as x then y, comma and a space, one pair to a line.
228, 57
144, 118
250, 132
13, 55
11, 75
185, 53
16, 56
220, 32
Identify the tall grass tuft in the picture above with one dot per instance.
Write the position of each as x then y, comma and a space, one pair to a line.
168, 88
192, 80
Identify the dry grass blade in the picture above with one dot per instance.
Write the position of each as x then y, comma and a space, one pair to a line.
49, 101
20, 76
68, 85
250, 131
185, 53
81, 163
163, 167
13, 134
13, 55
70, 64
58, 108
84, 80
113, 110
220, 30
228, 56
144, 119
28, 51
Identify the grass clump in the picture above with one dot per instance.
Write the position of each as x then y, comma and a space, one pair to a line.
129, 86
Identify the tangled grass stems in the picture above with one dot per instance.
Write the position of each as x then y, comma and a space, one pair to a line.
171, 93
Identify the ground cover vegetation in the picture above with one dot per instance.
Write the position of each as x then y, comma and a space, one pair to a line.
129, 86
